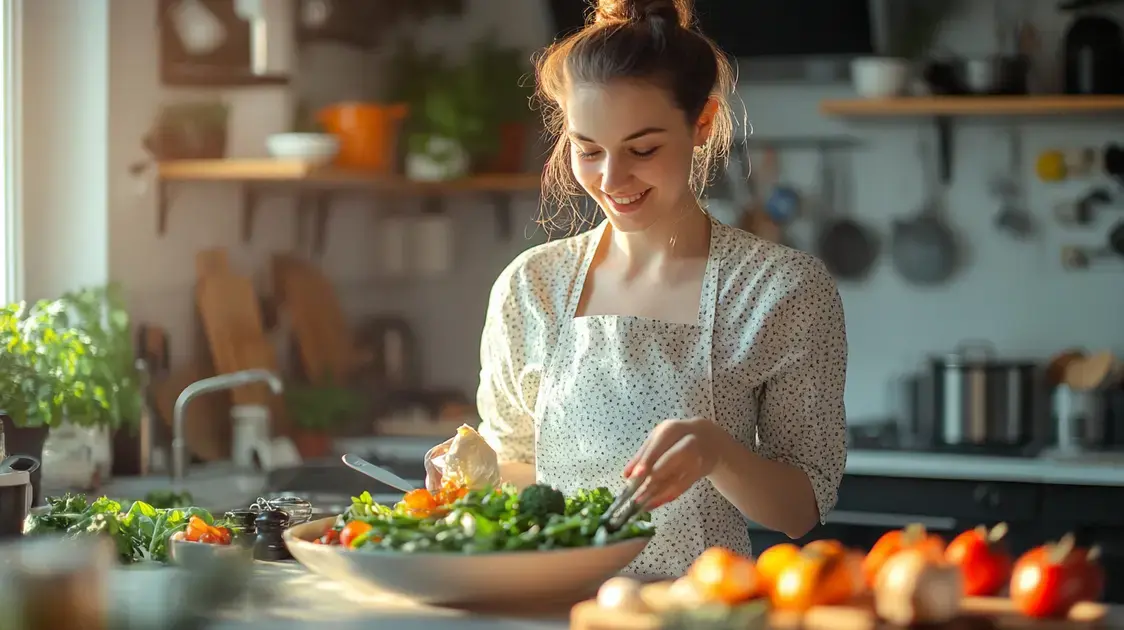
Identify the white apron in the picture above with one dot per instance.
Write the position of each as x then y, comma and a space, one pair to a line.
609, 381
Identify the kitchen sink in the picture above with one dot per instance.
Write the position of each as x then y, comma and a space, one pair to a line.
329, 485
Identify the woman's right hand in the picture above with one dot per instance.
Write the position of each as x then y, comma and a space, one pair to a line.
433, 468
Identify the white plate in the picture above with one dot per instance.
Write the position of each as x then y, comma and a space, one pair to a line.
464, 579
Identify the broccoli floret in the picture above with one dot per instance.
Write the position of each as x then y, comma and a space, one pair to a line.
539, 501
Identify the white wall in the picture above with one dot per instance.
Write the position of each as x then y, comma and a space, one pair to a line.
1015, 295
65, 175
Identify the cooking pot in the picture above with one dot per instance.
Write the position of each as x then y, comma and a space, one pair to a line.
978, 399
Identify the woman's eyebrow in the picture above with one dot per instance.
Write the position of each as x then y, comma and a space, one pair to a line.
632, 136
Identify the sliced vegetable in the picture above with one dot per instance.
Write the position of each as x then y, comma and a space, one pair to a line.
912, 537
983, 559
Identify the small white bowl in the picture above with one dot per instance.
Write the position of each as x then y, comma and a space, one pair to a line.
318, 149
190, 554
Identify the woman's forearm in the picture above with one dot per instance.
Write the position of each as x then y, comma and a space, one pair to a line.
518, 474
770, 493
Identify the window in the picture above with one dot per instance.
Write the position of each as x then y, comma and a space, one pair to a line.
10, 125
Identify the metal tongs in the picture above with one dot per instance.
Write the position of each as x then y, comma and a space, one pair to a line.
623, 507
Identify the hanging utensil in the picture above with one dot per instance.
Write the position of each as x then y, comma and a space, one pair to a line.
756, 219
1013, 218
924, 249
846, 246
783, 201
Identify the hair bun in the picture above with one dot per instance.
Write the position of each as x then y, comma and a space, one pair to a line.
671, 11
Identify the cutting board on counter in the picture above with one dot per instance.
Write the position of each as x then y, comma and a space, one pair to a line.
978, 613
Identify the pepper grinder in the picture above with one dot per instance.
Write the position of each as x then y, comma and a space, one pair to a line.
269, 545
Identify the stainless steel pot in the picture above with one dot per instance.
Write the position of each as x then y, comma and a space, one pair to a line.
980, 400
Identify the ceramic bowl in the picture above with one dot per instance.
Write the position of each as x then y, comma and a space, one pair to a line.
446, 578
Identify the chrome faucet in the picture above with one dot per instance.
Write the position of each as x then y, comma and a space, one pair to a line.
206, 386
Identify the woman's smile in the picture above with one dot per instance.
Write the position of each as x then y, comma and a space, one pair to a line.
625, 204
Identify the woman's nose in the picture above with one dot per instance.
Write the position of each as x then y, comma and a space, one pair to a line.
615, 176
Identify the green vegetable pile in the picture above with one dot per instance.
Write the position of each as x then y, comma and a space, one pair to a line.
140, 533
538, 518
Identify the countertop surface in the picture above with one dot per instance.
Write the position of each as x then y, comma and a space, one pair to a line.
1102, 469
285, 596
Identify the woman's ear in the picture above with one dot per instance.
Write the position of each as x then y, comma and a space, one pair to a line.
706, 122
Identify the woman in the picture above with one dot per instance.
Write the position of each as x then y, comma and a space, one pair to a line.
662, 342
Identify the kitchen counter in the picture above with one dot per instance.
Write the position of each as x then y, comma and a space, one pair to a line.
285, 596
1096, 469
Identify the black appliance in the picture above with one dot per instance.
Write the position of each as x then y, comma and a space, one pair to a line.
764, 28
1093, 50
15, 493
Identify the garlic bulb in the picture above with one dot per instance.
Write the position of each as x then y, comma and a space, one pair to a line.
912, 589
623, 594
470, 461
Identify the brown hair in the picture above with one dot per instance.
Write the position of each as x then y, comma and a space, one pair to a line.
651, 40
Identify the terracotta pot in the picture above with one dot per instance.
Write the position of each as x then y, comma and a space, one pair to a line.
368, 133
512, 150
312, 444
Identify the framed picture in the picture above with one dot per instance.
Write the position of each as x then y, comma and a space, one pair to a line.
207, 43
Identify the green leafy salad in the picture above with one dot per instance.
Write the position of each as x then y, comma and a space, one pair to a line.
140, 533
538, 518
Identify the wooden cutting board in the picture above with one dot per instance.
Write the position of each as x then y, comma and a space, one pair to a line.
982, 613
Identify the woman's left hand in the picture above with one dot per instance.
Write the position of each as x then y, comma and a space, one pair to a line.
674, 456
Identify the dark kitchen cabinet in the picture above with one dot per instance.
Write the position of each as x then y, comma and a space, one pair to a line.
1036, 513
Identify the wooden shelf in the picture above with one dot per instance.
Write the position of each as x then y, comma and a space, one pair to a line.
1058, 105
943, 108
314, 185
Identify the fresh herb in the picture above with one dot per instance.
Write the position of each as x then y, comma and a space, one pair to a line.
494, 520
69, 359
164, 499
141, 533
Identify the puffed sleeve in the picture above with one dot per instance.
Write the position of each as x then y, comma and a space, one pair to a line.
509, 381
802, 419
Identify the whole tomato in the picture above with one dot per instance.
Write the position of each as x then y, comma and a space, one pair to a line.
914, 536
1048, 580
982, 558
351, 531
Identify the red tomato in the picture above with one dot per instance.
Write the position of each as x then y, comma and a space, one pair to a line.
1047, 581
983, 560
351, 531
224, 535
209, 539
331, 537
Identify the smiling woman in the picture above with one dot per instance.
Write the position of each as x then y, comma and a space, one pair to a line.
663, 348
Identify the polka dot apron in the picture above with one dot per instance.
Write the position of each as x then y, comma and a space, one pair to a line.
610, 380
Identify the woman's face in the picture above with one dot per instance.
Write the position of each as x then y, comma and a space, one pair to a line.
631, 150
